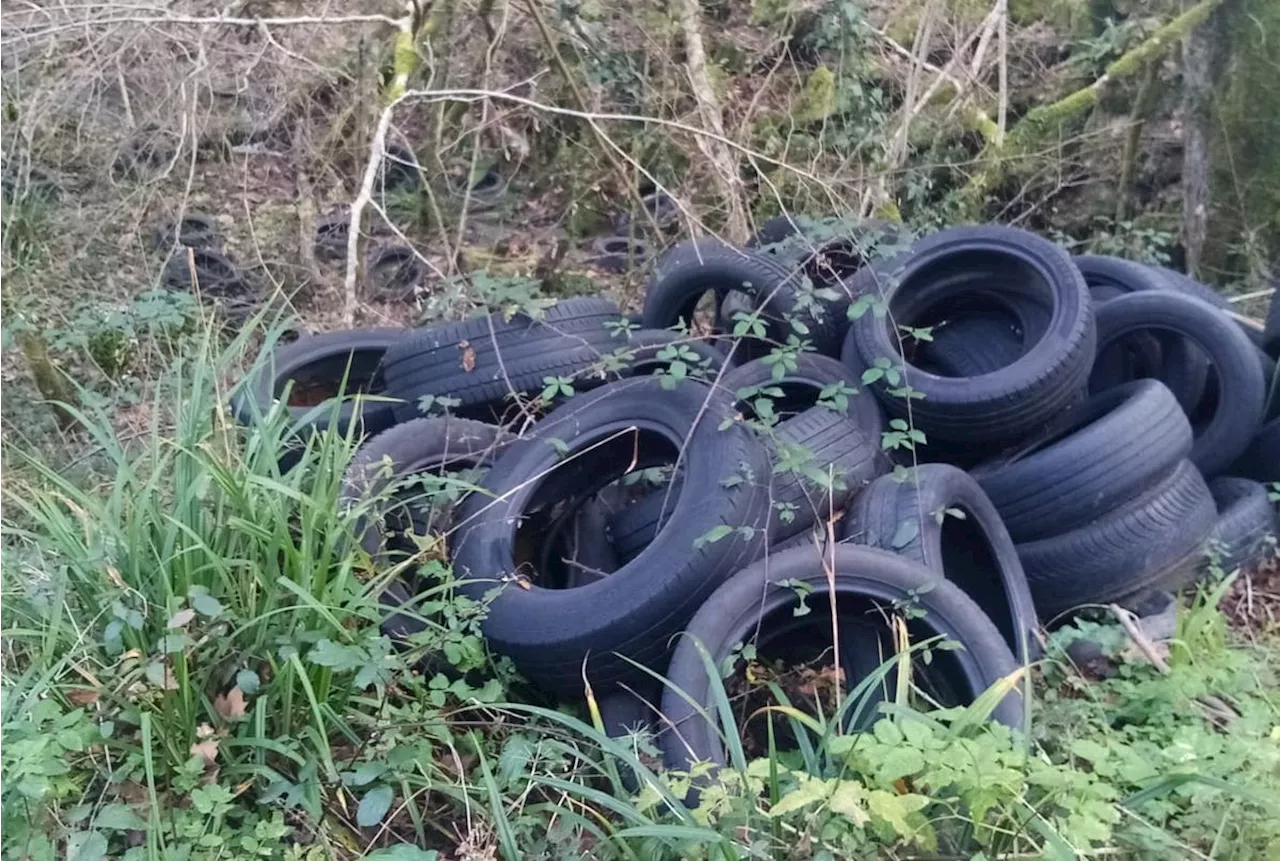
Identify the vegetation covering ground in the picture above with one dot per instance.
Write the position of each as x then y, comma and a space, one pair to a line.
192, 663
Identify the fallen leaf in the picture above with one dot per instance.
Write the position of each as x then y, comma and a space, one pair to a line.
206, 750
468, 355
182, 618
230, 705
116, 580
82, 696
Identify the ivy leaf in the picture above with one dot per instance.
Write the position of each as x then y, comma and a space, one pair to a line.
374, 806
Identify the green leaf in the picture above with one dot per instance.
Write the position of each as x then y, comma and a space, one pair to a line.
364, 774
206, 605
894, 809
86, 846
1090, 750
712, 535
905, 533
118, 817
900, 762
374, 805
850, 800
327, 653
810, 790
248, 682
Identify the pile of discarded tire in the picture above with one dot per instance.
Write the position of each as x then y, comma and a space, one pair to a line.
975, 434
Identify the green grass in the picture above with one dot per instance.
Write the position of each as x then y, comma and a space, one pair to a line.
193, 669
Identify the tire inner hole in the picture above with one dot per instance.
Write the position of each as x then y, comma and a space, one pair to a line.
798, 656
322, 380
562, 539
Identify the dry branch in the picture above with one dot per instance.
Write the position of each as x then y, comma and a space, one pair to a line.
737, 225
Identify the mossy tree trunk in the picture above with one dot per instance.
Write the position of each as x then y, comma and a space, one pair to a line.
1043, 123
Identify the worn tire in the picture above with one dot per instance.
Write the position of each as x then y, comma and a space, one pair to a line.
1150, 542
736, 612
1233, 357
976, 344
837, 448
411, 448
1245, 531
504, 356
323, 359
998, 262
1165, 358
550, 633
802, 386
1261, 460
697, 266
1099, 454
974, 552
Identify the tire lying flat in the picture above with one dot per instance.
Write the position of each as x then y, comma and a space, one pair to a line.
966, 262
1151, 542
1099, 454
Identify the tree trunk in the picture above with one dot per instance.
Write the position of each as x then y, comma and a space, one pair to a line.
1201, 56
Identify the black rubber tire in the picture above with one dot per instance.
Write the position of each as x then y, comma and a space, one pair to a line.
1188, 286
190, 230
399, 170
550, 633
508, 355
1261, 460
326, 357
394, 273
1165, 358
976, 344
1020, 268
215, 276
1271, 332
624, 712
1148, 543
692, 268
1233, 357
654, 351
1245, 531
838, 448
634, 527
974, 552
1103, 452
734, 611
416, 446
803, 385
618, 253
778, 229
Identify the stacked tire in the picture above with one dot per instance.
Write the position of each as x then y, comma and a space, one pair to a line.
970, 437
